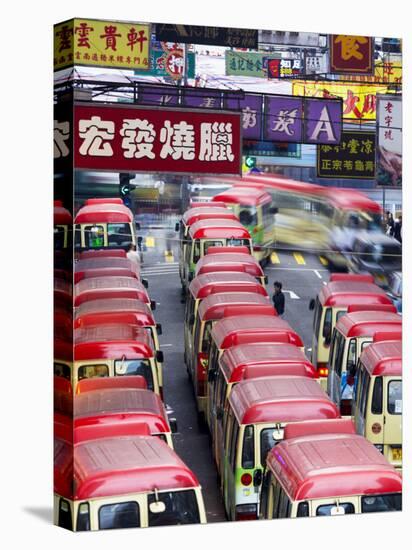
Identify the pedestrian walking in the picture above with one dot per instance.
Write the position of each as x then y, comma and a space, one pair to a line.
278, 299
132, 254
397, 230
390, 224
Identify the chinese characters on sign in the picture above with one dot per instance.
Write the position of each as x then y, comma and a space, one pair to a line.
144, 139
252, 110
353, 158
101, 43
245, 64
389, 130
284, 68
351, 54
213, 36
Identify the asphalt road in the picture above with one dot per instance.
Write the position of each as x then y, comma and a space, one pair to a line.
302, 276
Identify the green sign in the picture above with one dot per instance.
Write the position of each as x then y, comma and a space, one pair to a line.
245, 64
157, 64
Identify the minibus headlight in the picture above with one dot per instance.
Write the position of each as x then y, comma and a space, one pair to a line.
380, 448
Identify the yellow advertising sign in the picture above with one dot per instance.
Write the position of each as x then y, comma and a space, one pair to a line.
95, 43
359, 100
385, 72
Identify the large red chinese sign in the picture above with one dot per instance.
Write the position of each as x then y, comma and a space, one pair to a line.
139, 139
351, 54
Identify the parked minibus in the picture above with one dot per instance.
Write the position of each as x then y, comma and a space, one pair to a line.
63, 227
100, 267
353, 332
119, 310
214, 283
119, 482
102, 253
116, 350
242, 363
377, 402
254, 208
258, 411
210, 310
95, 288
238, 261
106, 223
324, 469
333, 300
206, 233
118, 411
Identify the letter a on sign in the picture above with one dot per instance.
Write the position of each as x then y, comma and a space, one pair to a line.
323, 125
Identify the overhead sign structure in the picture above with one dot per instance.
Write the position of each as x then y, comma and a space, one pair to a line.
350, 54
389, 132
359, 100
354, 157
114, 44
140, 139
213, 36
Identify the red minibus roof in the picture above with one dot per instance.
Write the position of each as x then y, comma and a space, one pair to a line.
118, 411
63, 350
95, 267
126, 465
111, 342
93, 384
348, 199
103, 253
218, 229
366, 323
107, 272
280, 399
372, 307
216, 306
248, 196
332, 465
245, 329
115, 308
104, 213
201, 204
275, 182
358, 277
318, 427
63, 466
243, 263
94, 288
61, 215
384, 336
63, 427
228, 249
232, 281
345, 293
196, 214
383, 358
254, 360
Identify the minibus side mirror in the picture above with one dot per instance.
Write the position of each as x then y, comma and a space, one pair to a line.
266, 280
219, 413
152, 305
159, 328
177, 227
173, 425
257, 478
145, 283
312, 304
157, 507
159, 356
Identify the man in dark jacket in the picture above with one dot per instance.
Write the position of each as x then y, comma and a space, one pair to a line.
279, 299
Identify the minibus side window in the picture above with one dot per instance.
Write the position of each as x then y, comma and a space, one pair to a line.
248, 451
276, 501
284, 505
77, 237
93, 371
363, 395
303, 510
227, 424
233, 444
62, 370
358, 390
395, 397
340, 343
223, 392
196, 251
119, 516
351, 358
83, 517
206, 336
317, 317
266, 443
327, 323
65, 515
382, 503
376, 407
325, 509
264, 495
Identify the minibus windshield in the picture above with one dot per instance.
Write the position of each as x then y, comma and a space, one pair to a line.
135, 367
93, 371
94, 236
382, 503
118, 234
180, 508
395, 397
119, 516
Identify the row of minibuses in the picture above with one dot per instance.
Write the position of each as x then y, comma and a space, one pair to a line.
115, 466
356, 327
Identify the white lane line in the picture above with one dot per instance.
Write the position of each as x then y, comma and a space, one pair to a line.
292, 294
317, 273
324, 282
166, 345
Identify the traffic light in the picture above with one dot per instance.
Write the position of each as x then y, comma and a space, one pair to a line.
124, 187
250, 162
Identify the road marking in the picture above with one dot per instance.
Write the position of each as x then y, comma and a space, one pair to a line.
166, 345
274, 258
293, 269
324, 282
323, 260
317, 273
299, 258
169, 257
292, 294
150, 242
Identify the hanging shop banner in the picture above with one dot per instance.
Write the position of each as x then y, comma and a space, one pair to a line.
284, 68
139, 139
245, 64
169, 61
271, 149
350, 54
389, 131
302, 120
252, 109
388, 70
354, 157
214, 36
115, 44
359, 100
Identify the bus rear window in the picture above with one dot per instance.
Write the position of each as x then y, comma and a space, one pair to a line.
395, 397
135, 367
93, 371
382, 503
180, 508
119, 516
